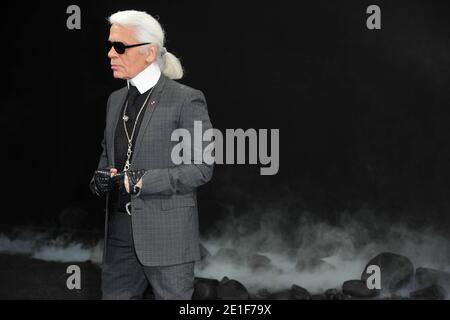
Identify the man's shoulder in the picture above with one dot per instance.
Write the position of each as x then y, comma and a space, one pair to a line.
179, 89
118, 93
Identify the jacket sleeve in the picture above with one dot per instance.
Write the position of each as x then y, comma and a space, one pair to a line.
183, 178
103, 160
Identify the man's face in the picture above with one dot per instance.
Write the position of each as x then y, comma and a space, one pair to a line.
133, 61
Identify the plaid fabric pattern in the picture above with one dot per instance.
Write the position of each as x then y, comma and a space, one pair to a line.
164, 213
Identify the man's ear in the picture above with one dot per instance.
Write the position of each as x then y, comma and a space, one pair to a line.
151, 55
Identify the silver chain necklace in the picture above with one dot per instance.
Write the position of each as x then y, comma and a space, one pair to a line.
130, 139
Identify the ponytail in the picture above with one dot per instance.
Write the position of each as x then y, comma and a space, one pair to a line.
170, 65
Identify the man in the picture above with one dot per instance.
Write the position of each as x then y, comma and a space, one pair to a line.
152, 234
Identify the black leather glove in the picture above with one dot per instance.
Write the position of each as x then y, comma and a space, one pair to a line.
119, 179
101, 182
133, 178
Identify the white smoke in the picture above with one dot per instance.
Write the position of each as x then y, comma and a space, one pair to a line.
39, 245
284, 275
348, 247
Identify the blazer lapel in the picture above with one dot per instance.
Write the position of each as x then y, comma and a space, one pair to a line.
151, 105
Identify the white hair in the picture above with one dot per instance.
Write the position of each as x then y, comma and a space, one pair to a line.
148, 29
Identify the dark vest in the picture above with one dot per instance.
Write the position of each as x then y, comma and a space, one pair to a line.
120, 197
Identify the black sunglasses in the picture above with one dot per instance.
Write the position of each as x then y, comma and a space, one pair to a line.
120, 47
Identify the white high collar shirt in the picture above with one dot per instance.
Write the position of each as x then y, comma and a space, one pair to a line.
146, 79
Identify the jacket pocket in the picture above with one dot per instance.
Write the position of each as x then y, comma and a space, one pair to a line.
167, 204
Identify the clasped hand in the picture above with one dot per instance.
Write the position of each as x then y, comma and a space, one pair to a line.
106, 179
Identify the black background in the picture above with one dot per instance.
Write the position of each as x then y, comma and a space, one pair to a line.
363, 115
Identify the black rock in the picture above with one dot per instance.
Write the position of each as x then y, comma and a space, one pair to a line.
333, 294
358, 289
281, 295
434, 292
295, 293
396, 271
259, 262
299, 293
396, 297
426, 277
205, 289
231, 290
262, 294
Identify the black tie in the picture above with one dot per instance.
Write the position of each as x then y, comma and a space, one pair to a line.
133, 93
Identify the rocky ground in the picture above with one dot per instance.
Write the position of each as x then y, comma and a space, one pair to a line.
399, 280
22, 277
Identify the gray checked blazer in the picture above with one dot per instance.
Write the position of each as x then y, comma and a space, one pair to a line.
164, 213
